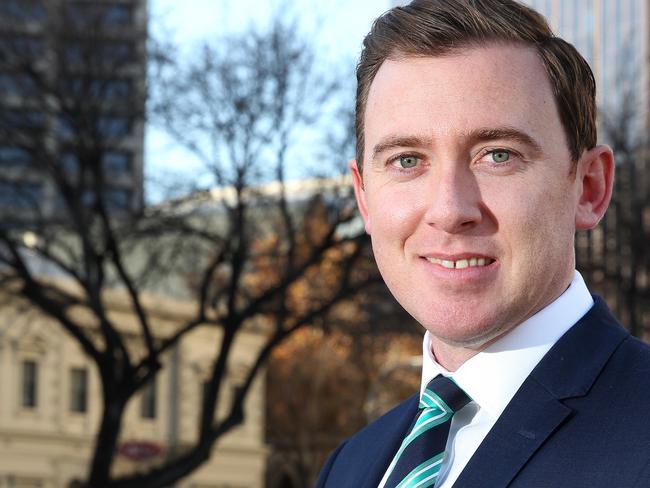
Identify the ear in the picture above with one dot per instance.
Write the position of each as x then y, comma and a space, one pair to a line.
595, 173
359, 192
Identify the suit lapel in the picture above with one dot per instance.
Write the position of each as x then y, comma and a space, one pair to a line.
567, 371
522, 428
381, 454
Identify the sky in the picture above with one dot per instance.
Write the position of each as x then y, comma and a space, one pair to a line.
341, 25
343, 21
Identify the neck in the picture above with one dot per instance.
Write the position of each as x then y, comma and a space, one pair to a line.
451, 357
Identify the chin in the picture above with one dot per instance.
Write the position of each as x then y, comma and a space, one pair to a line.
463, 330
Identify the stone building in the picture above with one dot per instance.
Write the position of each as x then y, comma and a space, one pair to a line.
90, 57
50, 405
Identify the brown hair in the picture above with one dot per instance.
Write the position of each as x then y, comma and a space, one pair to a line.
438, 27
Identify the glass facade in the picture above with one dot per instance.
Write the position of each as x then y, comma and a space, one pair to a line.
612, 36
75, 50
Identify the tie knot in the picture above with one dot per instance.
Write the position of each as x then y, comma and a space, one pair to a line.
442, 389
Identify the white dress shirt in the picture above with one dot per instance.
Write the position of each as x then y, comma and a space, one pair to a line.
492, 377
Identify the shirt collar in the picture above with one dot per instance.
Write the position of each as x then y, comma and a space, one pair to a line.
493, 376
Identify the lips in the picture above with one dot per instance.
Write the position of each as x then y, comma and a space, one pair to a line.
472, 262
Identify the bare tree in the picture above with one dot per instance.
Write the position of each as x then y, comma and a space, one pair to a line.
325, 385
240, 106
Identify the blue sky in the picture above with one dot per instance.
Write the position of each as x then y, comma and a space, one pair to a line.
344, 22
341, 26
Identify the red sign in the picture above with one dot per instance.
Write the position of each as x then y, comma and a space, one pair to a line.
140, 450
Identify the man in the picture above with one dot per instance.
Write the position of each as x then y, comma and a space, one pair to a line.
476, 163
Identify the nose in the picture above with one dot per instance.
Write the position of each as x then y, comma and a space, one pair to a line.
455, 203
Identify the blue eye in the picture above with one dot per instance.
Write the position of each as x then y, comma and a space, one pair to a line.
500, 156
407, 162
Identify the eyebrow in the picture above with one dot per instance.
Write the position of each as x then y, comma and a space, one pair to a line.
393, 142
478, 135
490, 134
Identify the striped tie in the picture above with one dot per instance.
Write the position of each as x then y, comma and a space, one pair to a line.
419, 458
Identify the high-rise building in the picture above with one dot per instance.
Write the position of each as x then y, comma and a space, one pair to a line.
613, 36
72, 80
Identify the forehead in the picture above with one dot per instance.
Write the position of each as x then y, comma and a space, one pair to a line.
489, 86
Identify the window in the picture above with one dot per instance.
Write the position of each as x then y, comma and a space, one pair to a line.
117, 51
22, 10
204, 390
99, 89
113, 126
109, 52
64, 127
107, 127
74, 52
16, 84
117, 162
148, 405
118, 198
21, 47
11, 156
88, 198
79, 390
69, 162
30, 384
118, 14
115, 199
20, 195
104, 15
115, 89
22, 120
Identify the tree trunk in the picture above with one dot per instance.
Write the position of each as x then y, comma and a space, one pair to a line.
106, 443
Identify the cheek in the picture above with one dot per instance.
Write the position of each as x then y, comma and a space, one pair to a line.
393, 215
520, 215
536, 227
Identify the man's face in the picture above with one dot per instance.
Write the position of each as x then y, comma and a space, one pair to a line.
468, 191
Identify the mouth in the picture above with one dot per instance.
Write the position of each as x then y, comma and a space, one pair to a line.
472, 262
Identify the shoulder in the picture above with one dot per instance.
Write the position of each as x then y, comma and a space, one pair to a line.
629, 366
388, 424
629, 361
620, 367
595, 348
375, 443
392, 423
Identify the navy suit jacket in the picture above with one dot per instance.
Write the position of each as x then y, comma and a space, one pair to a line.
580, 419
